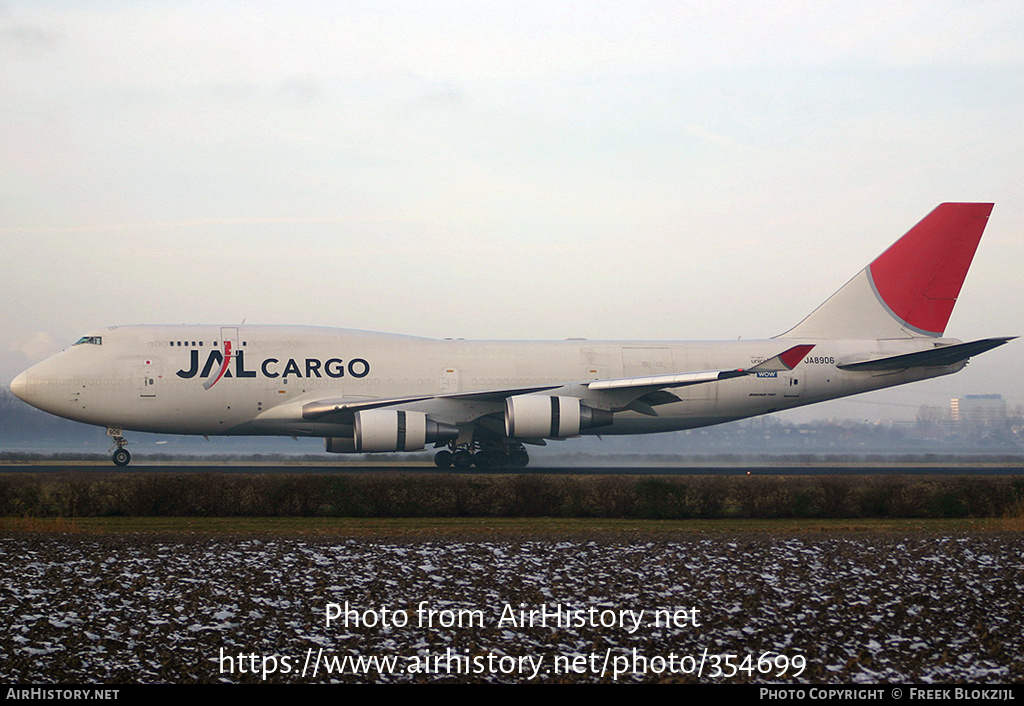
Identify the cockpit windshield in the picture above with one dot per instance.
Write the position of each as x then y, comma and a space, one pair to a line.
93, 340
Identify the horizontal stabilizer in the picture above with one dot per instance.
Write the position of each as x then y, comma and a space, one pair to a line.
934, 357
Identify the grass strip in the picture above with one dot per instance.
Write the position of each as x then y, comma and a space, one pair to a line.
487, 528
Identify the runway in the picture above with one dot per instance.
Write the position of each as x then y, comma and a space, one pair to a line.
943, 469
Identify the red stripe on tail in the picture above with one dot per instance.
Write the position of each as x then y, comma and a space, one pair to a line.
920, 276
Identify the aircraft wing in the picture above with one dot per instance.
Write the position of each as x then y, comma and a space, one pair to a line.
787, 360
617, 394
343, 405
933, 357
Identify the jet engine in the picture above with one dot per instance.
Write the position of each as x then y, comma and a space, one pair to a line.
392, 430
555, 417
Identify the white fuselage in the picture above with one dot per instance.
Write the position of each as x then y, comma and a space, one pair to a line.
484, 399
165, 378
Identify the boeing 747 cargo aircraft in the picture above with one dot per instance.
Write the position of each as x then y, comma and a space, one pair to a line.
481, 402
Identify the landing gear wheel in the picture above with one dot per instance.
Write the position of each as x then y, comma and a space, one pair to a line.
482, 460
443, 459
122, 457
518, 458
462, 459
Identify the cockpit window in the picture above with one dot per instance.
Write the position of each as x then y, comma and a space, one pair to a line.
94, 340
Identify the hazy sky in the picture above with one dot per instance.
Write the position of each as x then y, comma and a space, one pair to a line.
659, 170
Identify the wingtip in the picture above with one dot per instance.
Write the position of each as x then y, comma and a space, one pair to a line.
792, 357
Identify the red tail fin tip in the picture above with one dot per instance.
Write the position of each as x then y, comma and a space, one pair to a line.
919, 277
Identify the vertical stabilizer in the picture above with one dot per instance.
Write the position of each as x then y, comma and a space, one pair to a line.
910, 289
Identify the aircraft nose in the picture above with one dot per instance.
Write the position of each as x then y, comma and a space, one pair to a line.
19, 386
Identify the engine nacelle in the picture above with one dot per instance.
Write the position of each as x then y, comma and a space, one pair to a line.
393, 430
340, 444
553, 417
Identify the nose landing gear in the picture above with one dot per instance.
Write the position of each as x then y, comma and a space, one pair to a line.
121, 457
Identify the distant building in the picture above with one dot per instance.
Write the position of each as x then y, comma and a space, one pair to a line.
927, 414
978, 410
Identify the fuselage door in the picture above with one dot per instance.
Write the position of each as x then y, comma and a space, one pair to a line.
450, 379
146, 375
599, 362
794, 382
229, 340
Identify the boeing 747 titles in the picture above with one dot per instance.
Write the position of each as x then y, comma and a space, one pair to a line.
481, 402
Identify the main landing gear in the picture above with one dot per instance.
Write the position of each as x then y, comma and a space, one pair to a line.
121, 457
483, 455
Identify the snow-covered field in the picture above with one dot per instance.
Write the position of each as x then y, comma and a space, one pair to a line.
739, 607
